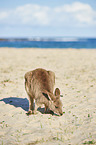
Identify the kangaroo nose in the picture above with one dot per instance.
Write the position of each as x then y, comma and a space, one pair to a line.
61, 114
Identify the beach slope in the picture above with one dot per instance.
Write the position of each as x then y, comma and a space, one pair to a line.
75, 72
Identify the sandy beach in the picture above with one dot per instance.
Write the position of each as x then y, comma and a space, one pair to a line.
75, 72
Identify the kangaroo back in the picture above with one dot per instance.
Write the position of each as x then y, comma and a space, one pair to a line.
45, 79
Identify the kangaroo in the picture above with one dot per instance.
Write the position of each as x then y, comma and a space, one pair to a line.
39, 85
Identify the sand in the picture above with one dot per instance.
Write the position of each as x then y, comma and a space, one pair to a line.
75, 72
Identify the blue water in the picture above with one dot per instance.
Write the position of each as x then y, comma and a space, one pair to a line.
78, 43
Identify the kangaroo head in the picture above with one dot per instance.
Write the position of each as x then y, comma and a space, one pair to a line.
55, 103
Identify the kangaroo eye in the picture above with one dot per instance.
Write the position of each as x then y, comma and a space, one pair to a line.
56, 107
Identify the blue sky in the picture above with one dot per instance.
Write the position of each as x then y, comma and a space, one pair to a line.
48, 18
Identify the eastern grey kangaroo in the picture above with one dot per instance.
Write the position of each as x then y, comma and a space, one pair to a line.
39, 85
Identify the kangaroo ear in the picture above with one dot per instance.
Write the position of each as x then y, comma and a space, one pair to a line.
46, 95
57, 92
49, 96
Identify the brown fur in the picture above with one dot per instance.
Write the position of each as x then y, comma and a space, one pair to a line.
39, 85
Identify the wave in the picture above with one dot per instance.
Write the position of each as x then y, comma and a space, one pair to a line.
43, 39
53, 39
48, 39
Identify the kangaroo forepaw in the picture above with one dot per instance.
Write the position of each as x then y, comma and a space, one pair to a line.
29, 112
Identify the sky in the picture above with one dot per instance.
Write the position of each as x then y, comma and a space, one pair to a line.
47, 18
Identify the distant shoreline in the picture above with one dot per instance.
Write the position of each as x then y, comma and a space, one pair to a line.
56, 42
47, 48
45, 38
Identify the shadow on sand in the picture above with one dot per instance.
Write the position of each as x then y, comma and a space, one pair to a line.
17, 102
42, 110
23, 103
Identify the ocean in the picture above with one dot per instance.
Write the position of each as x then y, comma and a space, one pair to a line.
38, 42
